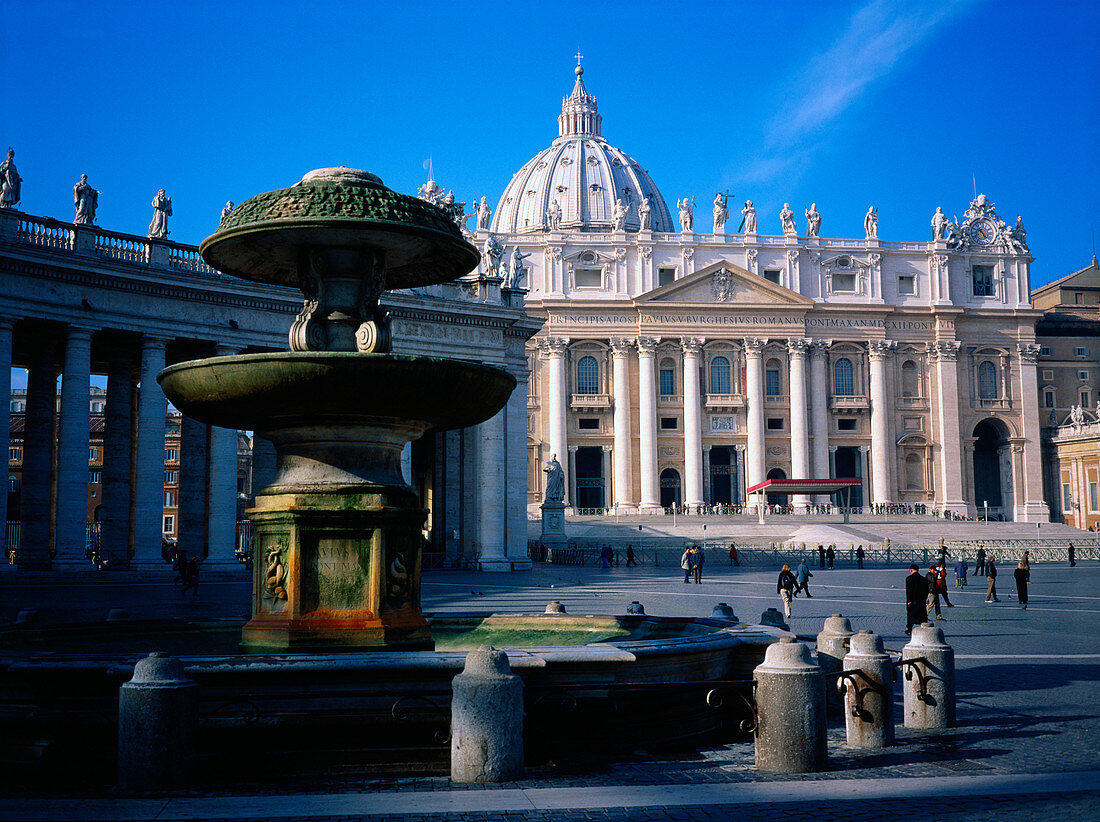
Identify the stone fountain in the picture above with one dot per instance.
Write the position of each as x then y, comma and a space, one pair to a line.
338, 531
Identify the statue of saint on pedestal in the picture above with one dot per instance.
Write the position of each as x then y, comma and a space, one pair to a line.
644, 215
555, 480
516, 269
687, 215
484, 212
86, 200
939, 224
226, 211
162, 210
618, 216
870, 223
786, 217
553, 215
11, 184
749, 213
721, 214
813, 221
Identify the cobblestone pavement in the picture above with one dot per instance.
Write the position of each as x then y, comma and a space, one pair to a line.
1027, 683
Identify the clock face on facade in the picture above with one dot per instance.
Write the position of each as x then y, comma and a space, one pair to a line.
983, 232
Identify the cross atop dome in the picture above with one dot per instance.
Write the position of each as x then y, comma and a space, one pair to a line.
578, 111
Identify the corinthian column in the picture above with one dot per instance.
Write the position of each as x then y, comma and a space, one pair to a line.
620, 370
693, 439
1033, 509
554, 349
880, 351
72, 450
945, 353
819, 390
647, 422
800, 443
754, 398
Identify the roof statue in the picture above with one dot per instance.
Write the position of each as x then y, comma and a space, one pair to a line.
618, 216
492, 252
748, 221
86, 201
585, 175
870, 223
983, 229
162, 210
721, 213
431, 191
645, 215
484, 212
813, 221
516, 269
687, 215
11, 183
786, 217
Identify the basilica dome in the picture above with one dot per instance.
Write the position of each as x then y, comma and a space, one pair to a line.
582, 175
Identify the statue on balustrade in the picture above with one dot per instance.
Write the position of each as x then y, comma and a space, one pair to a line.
939, 224
86, 200
687, 215
813, 221
786, 217
162, 210
618, 216
555, 480
492, 252
226, 211
721, 213
644, 215
749, 214
10, 182
516, 269
484, 212
870, 223
553, 215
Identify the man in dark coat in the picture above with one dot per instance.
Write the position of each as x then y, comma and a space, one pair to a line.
979, 566
916, 598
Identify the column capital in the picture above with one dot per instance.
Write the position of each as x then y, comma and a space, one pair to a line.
944, 350
819, 348
1029, 352
621, 346
863, 449
647, 346
606, 449
225, 349
832, 448
74, 330
692, 346
754, 346
149, 341
572, 448
706, 449
881, 349
554, 346
739, 447
798, 347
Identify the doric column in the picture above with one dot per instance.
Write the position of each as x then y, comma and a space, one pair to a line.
819, 390
754, 400
72, 450
708, 496
554, 349
949, 495
880, 351
647, 422
193, 462
490, 495
608, 485
739, 456
149, 458
38, 443
863, 457
693, 441
621, 348
1034, 509
800, 442
571, 479
117, 457
5, 421
515, 446
221, 506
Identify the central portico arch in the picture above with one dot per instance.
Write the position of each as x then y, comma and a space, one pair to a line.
992, 466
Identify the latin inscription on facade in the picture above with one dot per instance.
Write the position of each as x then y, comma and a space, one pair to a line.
723, 425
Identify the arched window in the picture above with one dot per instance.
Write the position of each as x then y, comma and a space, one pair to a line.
667, 377
843, 383
914, 474
588, 376
719, 376
772, 384
987, 381
910, 382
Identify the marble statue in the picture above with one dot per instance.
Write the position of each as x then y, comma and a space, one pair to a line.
555, 480
226, 211
553, 215
86, 200
162, 210
618, 216
484, 212
870, 223
687, 215
516, 269
11, 183
721, 214
939, 224
492, 252
1054, 416
1019, 234
786, 217
644, 215
1077, 416
813, 221
749, 214
431, 191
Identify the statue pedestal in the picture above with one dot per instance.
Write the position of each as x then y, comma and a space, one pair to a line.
553, 525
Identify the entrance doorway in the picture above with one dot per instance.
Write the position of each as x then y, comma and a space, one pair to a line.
848, 465
590, 481
725, 485
670, 488
777, 499
992, 469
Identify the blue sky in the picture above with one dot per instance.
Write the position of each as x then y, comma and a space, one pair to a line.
840, 103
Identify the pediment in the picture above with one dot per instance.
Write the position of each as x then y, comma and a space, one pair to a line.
725, 282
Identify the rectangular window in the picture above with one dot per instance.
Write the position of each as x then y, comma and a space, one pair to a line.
171, 477
1048, 373
983, 280
907, 285
668, 423
15, 454
845, 283
1080, 352
1045, 351
1094, 499
773, 275
771, 382
97, 408
169, 524
13, 483
1048, 399
588, 424
588, 277
1078, 298
1067, 499
666, 276
93, 454
846, 424
1085, 399
1082, 375
95, 477
169, 499
172, 454
668, 382
775, 423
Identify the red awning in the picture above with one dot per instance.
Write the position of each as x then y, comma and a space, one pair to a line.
804, 486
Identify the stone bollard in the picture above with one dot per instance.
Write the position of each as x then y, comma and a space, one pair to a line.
869, 699
790, 710
832, 643
554, 607
773, 618
486, 719
635, 607
723, 611
929, 690
157, 724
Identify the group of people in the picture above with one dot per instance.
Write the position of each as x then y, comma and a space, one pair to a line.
692, 564
186, 567
790, 583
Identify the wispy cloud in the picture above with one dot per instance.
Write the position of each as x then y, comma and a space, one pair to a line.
874, 41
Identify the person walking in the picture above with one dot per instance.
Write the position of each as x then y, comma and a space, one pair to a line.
859, 556
785, 586
685, 563
933, 592
697, 565
991, 575
916, 598
1072, 556
734, 560
802, 578
630, 556
960, 572
181, 567
1022, 575
941, 582
191, 577
821, 555
979, 565
830, 556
